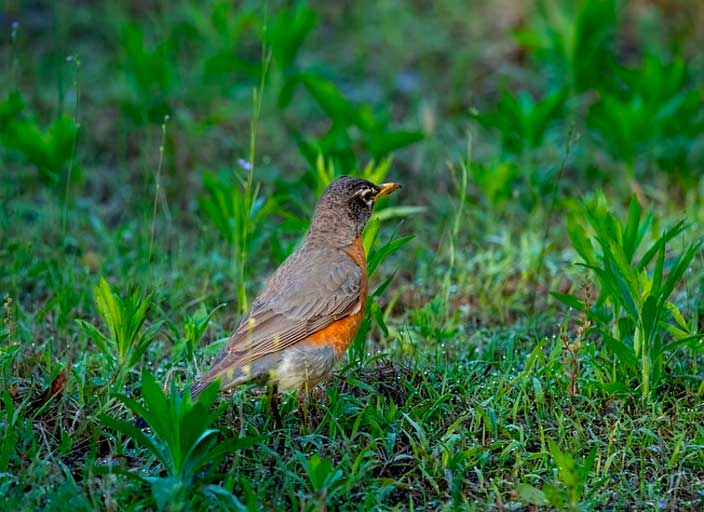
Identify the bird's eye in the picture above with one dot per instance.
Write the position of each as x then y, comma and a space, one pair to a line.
367, 195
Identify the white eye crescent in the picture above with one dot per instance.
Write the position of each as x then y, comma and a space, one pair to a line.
367, 195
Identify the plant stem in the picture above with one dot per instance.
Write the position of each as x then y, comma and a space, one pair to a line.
645, 365
157, 186
251, 191
462, 187
572, 137
75, 144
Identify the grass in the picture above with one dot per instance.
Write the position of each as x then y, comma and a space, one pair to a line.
534, 333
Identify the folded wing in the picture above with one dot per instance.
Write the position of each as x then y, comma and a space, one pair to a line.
303, 297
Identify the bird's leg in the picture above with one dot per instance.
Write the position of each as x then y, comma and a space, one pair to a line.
303, 407
274, 404
303, 394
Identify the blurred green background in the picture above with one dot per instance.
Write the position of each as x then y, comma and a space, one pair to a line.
534, 338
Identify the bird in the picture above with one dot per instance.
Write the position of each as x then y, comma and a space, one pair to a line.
309, 311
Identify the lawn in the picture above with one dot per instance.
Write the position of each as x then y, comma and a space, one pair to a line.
534, 333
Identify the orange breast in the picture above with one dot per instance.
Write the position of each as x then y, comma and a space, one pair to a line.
340, 334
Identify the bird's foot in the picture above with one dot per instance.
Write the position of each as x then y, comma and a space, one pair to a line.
274, 404
303, 410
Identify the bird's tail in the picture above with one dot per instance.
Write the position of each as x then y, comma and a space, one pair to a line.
198, 387
228, 377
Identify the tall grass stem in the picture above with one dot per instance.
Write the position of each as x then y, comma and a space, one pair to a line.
157, 186
74, 149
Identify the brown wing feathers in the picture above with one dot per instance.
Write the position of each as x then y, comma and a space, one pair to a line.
302, 297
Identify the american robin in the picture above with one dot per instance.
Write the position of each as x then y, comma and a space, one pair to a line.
311, 308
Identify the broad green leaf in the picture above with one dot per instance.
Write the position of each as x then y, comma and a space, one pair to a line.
159, 416
166, 490
678, 270
630, 233
650, 317
128, 429
587, 464
109, 309
623, 352
288, 30
385, 250
565, 463
620, 282
676, 332
677, 315
580, 241
666, 237
376, 172
398, 211
196, 448
10, 109
330, 99
378, 315
99, 338
694, 342
145, 341
381, 143
531, 495
569, 300
371, 233
231, 502
658, 272
135, 407
382, 287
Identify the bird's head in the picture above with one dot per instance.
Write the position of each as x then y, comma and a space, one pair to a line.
346, 205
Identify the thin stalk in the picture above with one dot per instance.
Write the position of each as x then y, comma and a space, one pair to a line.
462, 186
157, 186
251, 191
76, 86
571, 139
645, 367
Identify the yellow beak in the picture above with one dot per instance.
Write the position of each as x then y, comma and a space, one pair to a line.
387, 188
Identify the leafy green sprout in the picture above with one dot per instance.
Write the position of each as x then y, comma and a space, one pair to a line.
182, 438
126, 340
638, 298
